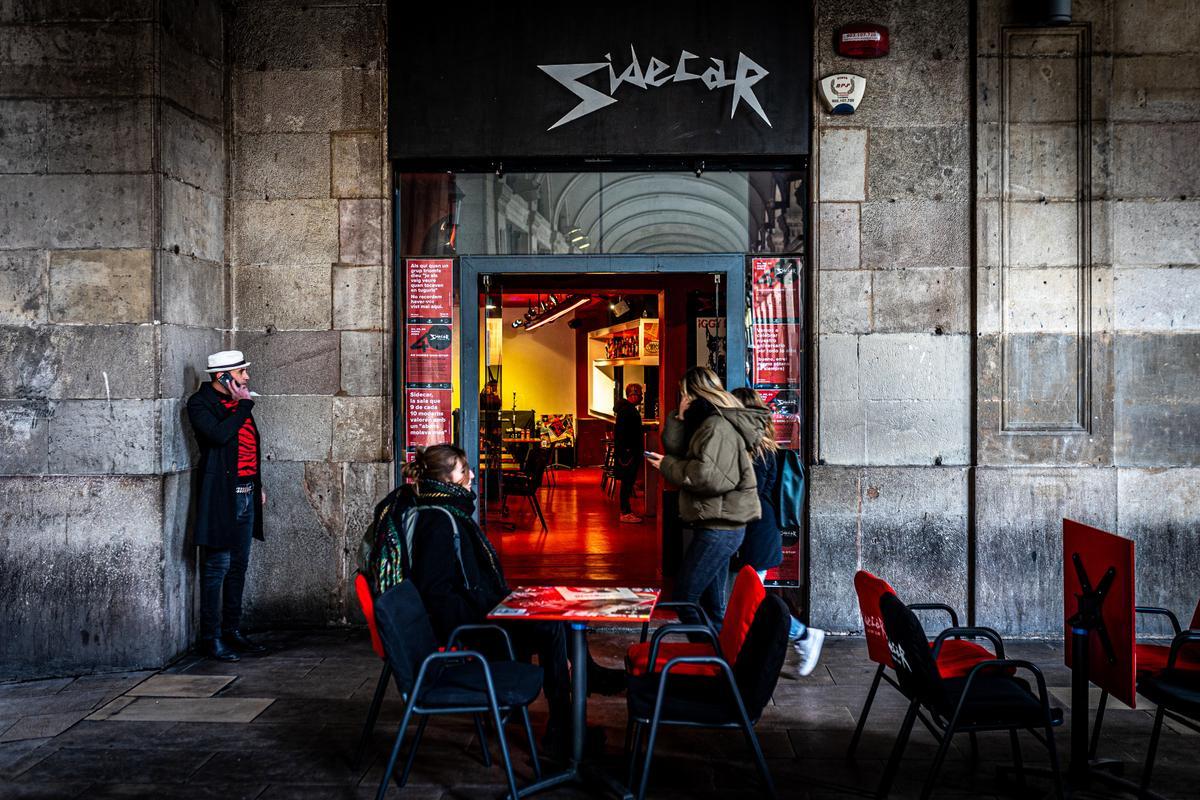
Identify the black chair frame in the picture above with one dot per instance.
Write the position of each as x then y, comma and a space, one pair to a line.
524, 485
499, 714
1182, 639
881, 675
1149, 611
705, 620
943, 730
742, 721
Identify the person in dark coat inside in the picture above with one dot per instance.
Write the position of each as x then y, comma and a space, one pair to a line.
457, 572
628, 442
229, 501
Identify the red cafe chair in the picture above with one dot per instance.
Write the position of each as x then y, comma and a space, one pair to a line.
954, 659
366, 601
1150, 660
748, 593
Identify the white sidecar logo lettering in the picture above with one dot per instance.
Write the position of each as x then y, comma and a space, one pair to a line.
653, 75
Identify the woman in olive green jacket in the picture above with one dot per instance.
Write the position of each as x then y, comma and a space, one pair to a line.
708, 444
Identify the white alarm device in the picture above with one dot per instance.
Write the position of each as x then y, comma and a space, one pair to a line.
842, 93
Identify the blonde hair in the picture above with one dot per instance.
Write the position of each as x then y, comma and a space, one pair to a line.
436, 462
752, 399
703, 382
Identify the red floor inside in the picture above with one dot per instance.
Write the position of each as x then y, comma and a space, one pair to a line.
585, 542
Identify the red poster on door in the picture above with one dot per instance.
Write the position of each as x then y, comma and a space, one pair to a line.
428, 357
428, 419
774, 285
430, 295
777, 347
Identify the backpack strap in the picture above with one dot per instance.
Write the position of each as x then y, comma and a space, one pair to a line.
410, 529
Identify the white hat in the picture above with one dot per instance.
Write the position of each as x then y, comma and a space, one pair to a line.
226, 360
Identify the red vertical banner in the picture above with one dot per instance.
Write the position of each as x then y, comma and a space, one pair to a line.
777, 348
428, 352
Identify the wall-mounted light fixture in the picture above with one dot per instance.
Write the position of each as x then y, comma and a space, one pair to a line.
547, 311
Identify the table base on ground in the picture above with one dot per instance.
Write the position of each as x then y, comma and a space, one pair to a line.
580, 771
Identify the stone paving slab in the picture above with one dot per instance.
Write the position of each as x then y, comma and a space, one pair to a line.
41, 726
193, 709
181, 686
110, 708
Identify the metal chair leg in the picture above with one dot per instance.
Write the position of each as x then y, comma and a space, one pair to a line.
866, 709
504, 754
1095, 745
641, 792
1052, 749
373, 714
412, 751
1018, 762
533, 754
391, 765
931, 778
537, 507
893, 763
759, 759
483, 742
1149, 768
635, 751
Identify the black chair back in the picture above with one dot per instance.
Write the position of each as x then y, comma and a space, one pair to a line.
761, 658
406, 632
535, 465
911, 654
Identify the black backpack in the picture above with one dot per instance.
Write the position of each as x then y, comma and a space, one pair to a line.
789, 489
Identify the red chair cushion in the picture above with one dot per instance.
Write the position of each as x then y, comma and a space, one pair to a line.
1196, 618
870, 589
958, 656
1152, 658
748, 594
365, 600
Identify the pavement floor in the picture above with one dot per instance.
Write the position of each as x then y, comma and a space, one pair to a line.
285, 725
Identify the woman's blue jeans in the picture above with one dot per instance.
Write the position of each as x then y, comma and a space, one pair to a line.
223, 575
702, 575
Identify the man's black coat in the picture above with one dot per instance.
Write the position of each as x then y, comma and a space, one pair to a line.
628, 441
216, 431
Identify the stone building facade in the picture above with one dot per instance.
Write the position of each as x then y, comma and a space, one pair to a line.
1006, 315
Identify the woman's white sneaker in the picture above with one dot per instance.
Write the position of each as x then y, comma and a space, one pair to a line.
809, 649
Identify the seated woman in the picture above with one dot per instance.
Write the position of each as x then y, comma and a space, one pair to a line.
457, 573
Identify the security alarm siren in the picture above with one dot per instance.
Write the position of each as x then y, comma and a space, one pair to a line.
842, 93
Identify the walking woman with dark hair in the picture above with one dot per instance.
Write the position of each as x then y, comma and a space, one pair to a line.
708, 442
762, 548
456, 571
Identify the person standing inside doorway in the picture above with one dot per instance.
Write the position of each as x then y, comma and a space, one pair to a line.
708, 443
229, 504
627, 448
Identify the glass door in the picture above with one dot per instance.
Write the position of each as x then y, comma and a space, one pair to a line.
491, 449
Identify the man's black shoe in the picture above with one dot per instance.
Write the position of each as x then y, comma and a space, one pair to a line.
238, 641
217, 650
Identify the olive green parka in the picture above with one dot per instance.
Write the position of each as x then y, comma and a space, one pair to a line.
714, 470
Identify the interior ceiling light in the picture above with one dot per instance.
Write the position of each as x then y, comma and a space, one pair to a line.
563, 307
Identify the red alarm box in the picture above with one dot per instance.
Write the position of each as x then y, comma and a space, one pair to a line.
862, 40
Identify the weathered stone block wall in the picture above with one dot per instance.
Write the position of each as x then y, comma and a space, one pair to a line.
1089, 238
111, 291
1087, 365
893, 189
310, 262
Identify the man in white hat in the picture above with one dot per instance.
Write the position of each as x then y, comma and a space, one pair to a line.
229, 503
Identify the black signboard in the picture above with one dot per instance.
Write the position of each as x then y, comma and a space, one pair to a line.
523, 82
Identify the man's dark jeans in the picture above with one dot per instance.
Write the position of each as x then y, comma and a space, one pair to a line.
702, 574
225, 568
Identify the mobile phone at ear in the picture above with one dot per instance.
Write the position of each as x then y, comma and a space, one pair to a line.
226, 379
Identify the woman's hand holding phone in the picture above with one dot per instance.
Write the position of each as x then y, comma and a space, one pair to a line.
654, 459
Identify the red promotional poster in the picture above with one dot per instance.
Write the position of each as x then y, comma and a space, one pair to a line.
788, 572
430, 289
777, 347
785, 413
775, 284
428, 359
427, 417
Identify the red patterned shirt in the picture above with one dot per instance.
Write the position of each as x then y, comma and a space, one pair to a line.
247, 444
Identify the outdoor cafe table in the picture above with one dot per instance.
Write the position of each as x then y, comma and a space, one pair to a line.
577, 606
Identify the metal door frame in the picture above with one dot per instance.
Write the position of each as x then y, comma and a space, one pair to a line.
730, 266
